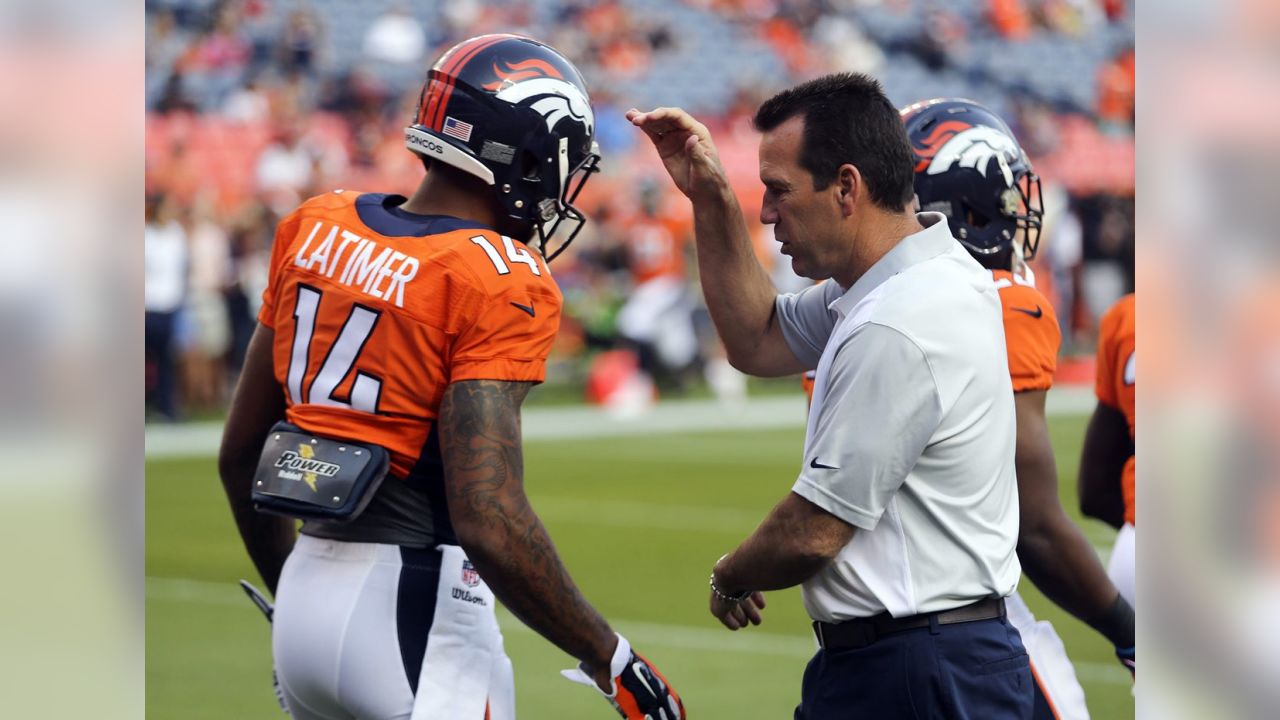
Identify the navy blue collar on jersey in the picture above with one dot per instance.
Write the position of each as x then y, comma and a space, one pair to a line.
381, 213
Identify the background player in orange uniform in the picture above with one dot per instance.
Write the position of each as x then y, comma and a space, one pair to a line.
970, 167
1107, 465
419, 325
657, 317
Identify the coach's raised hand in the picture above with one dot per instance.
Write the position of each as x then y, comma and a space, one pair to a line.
635, 688
686, 149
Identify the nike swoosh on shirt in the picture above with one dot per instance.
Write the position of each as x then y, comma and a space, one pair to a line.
819, 466
1033, 313
526, 308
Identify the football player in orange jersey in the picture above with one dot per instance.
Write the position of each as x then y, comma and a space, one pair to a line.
414, 327
970, 167
1107, 462
657, 317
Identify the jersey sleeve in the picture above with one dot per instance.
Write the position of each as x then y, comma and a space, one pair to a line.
1032, 338
509, 332
286, 232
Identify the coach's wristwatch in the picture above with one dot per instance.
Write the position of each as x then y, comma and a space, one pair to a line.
727, 597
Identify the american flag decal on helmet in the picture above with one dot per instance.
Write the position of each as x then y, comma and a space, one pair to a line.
470, 577
456, 128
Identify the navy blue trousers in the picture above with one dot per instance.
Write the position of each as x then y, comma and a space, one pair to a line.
967, 671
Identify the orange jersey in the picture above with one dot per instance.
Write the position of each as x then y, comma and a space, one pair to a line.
1031, 335
1031, 332
1116, 377
655, 248
376, 311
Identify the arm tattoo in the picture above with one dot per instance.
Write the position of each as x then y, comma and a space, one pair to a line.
484, 480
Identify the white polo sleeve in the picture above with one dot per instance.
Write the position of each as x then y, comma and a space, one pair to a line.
880, 409
807, 320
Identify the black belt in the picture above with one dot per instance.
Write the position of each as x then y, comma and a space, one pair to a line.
862, 632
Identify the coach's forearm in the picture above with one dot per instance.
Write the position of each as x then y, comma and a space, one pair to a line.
739, 294
1058, 558
796, 540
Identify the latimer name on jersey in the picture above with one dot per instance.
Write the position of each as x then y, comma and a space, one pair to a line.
374, 270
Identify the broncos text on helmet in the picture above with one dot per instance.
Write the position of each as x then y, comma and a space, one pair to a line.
970, 168
516, 114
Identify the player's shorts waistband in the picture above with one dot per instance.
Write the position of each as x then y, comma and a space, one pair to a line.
343, 550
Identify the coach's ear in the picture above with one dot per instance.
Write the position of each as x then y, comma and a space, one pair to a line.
848, 187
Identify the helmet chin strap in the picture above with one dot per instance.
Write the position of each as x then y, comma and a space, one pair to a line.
562, 156
1019, 266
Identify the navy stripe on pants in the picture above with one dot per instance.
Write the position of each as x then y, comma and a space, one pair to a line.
966, 671
416, 607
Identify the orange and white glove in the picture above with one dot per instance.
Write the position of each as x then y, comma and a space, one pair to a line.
639, 691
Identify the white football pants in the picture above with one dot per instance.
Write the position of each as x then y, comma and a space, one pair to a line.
1054, 675
1123, 566
379, 632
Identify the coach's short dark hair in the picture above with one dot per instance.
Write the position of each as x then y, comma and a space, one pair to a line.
848, 119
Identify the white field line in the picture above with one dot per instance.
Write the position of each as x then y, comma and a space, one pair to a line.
685, 637
581, 422
684, 518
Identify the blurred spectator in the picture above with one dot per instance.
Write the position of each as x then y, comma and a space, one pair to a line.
657, 316
458, 16
164, 45
209, 331
172, 97
1070, 17
941, 39
1114, 10
216, 62
1116, 84
788, 42
300, 44
164, 290
287, 164
1061, 251
845, 47
395, 37
249, 252
1108, 223
296, 165
247, 104
1036, 127
178, 173
357, 95
1009, 18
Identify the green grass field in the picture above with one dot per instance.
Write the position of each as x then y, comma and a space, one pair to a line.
638, 520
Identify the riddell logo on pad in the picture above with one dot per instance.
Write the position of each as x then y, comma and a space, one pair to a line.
302, 465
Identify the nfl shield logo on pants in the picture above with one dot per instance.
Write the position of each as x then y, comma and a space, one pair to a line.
470, 577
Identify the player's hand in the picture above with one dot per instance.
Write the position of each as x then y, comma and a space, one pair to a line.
636, 689
269, 612
686, 149
737, 615
1128, 658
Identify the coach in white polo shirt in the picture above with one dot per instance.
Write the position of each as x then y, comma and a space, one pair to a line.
902, 524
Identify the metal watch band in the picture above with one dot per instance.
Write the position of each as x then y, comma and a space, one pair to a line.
727, 597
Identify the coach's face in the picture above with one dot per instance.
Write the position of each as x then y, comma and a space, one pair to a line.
809, 223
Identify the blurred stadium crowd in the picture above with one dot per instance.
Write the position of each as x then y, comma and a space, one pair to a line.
255, 105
